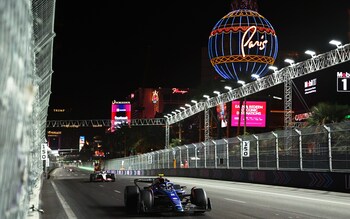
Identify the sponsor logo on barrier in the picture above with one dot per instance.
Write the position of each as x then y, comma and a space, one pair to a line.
246, 149
343, 80
43, 151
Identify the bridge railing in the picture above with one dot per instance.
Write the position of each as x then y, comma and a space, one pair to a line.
317, 148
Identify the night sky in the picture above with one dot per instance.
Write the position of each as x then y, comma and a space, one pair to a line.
105, 50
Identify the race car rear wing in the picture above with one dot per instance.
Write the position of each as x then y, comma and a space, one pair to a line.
144, 180
149, 181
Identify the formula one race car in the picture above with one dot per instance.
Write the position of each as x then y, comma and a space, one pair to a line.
159, 195
102, 176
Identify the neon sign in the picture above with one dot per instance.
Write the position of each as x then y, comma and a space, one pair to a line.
241, 43
260, 44
178, 91
155, 97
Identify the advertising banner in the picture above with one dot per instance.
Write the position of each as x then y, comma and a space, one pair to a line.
254, 112
121, 114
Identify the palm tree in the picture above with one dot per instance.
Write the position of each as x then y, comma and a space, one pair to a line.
175, 142
324, 113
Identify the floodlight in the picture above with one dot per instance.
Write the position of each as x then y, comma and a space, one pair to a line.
216, 92
228, 87
241, 82
290, 61
274, 68
335, 42
311, 53
255, 76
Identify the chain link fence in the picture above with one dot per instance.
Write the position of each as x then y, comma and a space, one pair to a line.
26, 33
318, 148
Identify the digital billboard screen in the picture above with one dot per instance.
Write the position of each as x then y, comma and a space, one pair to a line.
121, 114
81, 142
253, 111
222, 114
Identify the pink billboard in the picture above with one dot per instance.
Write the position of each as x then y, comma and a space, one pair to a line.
121, 114
253, 111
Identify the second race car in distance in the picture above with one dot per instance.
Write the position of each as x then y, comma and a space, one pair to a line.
102, 176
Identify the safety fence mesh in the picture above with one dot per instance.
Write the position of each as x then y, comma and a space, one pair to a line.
26, 42
317, 148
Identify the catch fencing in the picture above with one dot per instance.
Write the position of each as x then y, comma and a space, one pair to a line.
316, 148
26, 41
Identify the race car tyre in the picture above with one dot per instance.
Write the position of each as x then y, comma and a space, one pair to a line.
147, 200
131, 198
92, 177
113, 177
199, 198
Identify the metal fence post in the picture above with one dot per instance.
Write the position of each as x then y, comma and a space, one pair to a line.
241, 151
187, 155
300, 149
227, 155
195, 154
257, 152
215, 155
276, 148
205, 153
329, 136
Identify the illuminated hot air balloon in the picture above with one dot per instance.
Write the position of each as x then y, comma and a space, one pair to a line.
242, 43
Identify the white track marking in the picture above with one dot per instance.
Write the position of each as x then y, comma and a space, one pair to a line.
233, 200
70, 214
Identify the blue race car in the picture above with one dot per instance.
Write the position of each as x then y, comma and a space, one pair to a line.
159, 195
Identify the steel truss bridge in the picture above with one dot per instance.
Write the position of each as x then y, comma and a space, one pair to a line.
285, 75
101, 123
